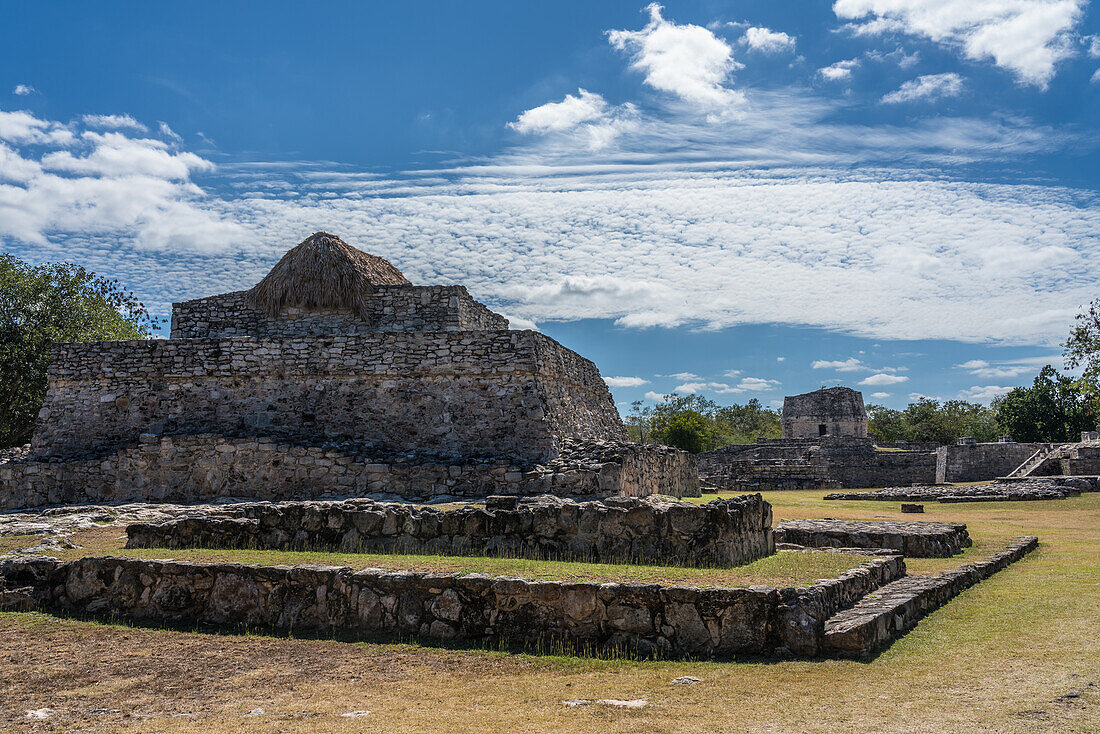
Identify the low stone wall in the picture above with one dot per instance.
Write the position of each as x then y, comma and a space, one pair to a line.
205, 467
912, 539
1031, 488
644, 619
725, 532
979, 462
895, 608
393, 308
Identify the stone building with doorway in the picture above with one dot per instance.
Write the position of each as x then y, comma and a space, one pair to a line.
835, 412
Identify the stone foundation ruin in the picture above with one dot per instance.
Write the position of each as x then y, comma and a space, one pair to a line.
911, 539
650, 530
334, 376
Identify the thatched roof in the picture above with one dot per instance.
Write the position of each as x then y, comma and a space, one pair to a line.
323, 272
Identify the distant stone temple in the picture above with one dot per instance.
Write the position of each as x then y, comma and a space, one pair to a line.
831, 411
333, 376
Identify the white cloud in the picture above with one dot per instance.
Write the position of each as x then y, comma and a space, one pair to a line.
654, 396
23, 90
1095, 77
983, 393
780, 359
113, 122
1026, 37
23, 128
1008, 368
684, 376
564, 115
882, 378
625, 381
880, 395
757, 384
767, 41
848, 365
915, 396
731, 373
168, 132
117, 155
518, 323
747, 384
1094, 46
927, 87
839, 71
687, 61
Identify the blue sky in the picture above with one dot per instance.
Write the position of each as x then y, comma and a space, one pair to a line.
740, 199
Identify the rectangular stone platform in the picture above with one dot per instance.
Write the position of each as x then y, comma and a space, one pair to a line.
474, 609
1003, 490
913, 539
650, 530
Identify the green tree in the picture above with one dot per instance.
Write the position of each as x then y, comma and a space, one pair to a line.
48, 304
1082, 349
1054, 408
687, 430
886, 425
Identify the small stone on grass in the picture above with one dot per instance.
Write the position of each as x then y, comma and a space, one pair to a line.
354, 714
685, 680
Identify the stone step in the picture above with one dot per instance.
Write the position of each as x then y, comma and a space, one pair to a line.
884, 615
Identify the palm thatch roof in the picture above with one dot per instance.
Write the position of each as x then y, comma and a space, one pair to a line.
324, 272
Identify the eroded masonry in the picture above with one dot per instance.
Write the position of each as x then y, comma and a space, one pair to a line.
333, 376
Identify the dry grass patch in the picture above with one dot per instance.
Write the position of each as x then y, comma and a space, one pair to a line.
1018, 653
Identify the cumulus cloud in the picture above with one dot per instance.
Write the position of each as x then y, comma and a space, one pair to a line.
780, 359
23, 90
1026, 37
587, 113
654, 396
687, 61
839, 71
625, 381
63, 183
882, 378
848, 365
928, 87
168, 132
983, 393
113, 122
880, 395
767, 41
1095, 77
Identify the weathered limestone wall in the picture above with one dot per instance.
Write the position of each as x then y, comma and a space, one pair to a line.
727, 532
395, 308
822, 463
198, 468
647, 619
981, 461
912, 539
501, 394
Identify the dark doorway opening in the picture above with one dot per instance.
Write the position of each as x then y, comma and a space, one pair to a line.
822, 429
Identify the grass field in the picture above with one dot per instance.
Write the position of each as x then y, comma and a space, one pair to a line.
1020, 652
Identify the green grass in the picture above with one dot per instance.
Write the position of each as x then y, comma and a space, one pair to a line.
780, 570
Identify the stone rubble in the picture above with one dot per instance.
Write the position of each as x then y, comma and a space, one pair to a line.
1034, 488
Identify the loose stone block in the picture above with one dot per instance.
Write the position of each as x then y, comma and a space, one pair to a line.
915, 539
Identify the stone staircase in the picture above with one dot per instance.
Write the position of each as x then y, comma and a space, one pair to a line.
884, 615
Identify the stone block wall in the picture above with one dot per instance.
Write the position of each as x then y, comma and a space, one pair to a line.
394, 308
721, 533
882, 468
981, 461
202, 468
501, 394
912, 539
646, 619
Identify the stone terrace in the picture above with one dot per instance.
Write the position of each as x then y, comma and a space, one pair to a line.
914, 539
725, 532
